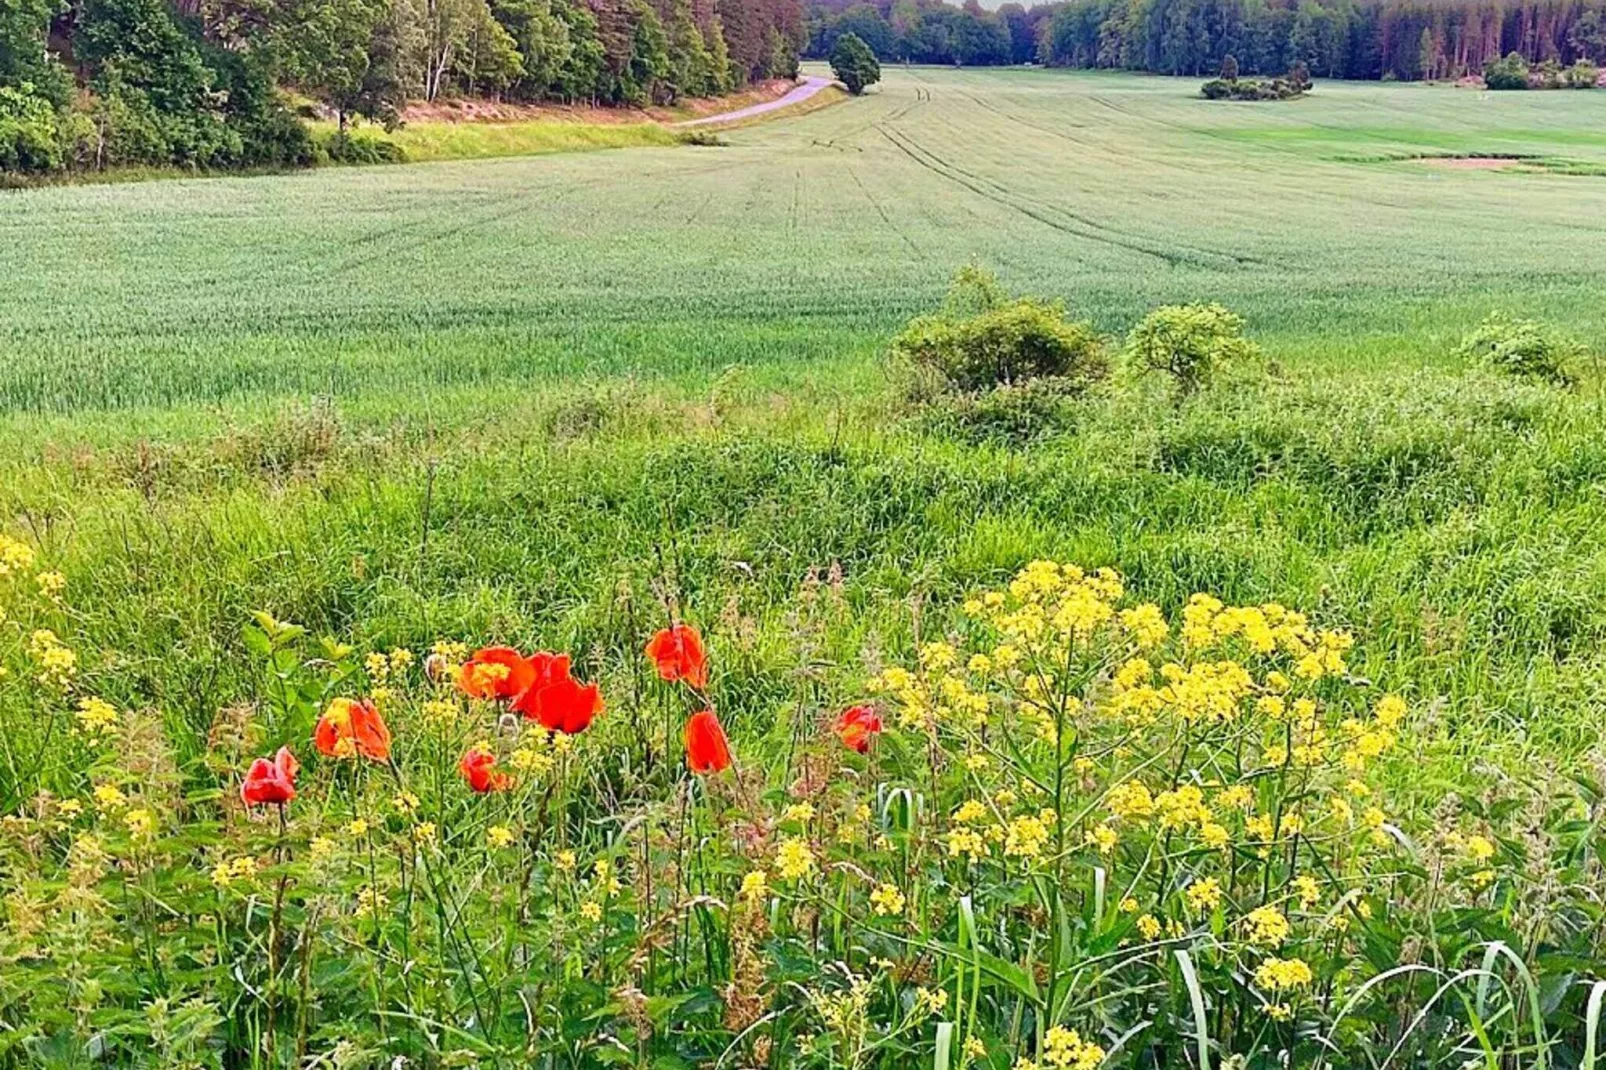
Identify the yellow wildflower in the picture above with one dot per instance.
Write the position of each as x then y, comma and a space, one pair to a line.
1064, 1049
1025, 837
755, 886
1102, 837
1203, 894
1280, 975
499, 836
887, 900
97, 717
141, 823
1267, 926
793, 859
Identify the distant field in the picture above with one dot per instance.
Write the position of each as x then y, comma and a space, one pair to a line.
576, 337
810, 239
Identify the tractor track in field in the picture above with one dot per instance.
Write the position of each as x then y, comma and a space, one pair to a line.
1209, 254
1031, 209
853, 173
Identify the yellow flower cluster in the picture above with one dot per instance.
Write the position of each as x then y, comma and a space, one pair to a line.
141, 823
1025, 836
227, 871
755, 886
15, 556
793, 859
1280, 975
1203, 894
1266, 926
887, 900
57, 663
1064, 1049
499, 836
97, 718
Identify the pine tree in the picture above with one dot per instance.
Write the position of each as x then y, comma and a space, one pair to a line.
719, 56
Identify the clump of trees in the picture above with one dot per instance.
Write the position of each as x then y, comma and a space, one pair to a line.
1512, 71
854, 64
1230, 87
90, 84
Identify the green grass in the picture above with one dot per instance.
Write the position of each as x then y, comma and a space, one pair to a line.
427, 141
453, 312
534, 398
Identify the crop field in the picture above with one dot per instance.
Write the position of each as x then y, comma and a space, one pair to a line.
558, 401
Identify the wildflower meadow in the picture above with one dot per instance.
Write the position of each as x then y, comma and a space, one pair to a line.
1069, 832
1020, 569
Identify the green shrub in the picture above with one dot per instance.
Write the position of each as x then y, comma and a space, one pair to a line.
700, 137
1524, 348
1508, 73
1189, 343
29, 138
1251, 89
349, 148
1582, 75
982, 339
1006, 415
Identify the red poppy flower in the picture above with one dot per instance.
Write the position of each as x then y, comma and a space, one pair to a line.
271, 783
856, 726
479, 769
496, 672
561, 704
678, 654
348, 728
707, 749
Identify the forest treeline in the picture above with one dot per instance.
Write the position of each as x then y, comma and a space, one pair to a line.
87, 84
1365, 39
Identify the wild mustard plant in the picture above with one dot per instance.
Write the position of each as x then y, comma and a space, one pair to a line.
1071, 831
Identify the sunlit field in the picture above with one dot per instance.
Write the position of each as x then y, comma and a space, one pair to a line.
273, 442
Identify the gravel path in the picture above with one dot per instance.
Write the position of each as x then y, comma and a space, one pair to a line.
811, 85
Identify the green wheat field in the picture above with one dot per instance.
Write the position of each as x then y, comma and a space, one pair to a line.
552, 401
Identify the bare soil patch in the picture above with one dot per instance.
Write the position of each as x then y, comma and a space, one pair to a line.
1472, 163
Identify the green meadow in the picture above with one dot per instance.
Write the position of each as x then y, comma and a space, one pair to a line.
556, 400
280, 363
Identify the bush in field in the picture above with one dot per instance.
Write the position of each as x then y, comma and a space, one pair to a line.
1523, 348
1582, 75
854, 64
1510, 72
1252, 89
983, 339
345, 147
1064, 827
1189, 343
1010, 415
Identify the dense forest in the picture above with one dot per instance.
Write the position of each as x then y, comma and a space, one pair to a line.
1404, 39
88, 84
